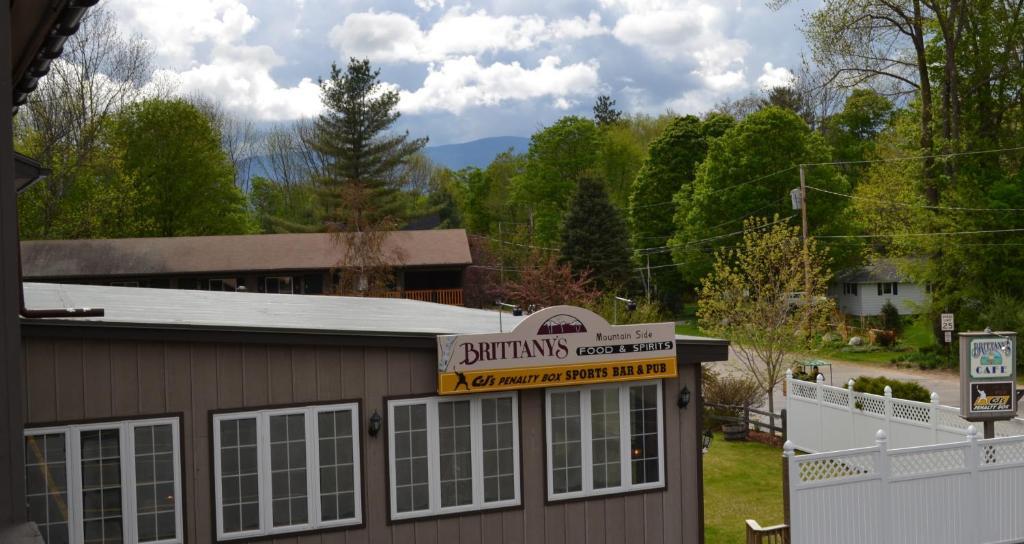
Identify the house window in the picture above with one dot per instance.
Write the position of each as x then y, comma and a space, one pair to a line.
604, 439
850, 289
278, 284
223, 284
105, 483
288, 470
890, 288
455, 455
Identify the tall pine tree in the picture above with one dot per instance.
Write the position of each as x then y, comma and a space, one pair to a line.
365, 169
595, 238
361, 186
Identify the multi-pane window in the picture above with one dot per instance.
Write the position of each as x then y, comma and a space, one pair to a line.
278, 284
223, 284
604, 439
850, 289
280, 471
891, 288
451, 455
106, 483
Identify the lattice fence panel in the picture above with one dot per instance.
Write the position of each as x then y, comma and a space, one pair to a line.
911, 411
838, 397
927, 462
804, 390
869, 403
820, 470
1002, 454
950, 418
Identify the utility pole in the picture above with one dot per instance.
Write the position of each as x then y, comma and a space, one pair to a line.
501, 260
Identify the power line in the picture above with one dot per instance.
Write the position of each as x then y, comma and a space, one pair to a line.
919, 157
922, 234
716, 191
909, 205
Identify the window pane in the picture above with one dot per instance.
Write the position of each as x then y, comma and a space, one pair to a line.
101, 491
604, 431
643, 401
288, 470
456, 453
154, 481
497, 447
566, 463
239, 475
411, 426
46, 485
337, 470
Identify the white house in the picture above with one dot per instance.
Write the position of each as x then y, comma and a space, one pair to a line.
863, 291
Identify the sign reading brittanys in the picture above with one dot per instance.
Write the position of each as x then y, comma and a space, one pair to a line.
560, 345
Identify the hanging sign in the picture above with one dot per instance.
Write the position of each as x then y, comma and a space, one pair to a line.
988, 374
560, 345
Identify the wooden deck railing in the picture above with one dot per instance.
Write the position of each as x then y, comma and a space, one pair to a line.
451, 297
776, 534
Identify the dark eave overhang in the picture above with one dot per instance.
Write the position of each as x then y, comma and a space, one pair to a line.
44, 26
27, 171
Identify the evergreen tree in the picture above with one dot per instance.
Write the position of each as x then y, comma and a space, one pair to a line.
360, 189
595, 238
605, 112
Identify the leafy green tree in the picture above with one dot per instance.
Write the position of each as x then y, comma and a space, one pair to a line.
605, 112
360, 188
184, 182
853, 131
559, 156
277, 205
751, 170
595, 238
671, 164
747, 297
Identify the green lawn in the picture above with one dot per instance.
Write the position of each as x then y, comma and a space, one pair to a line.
916, 336
742, 480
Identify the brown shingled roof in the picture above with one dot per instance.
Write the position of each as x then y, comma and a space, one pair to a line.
58, 259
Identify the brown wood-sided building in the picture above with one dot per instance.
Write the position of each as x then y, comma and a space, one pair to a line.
428, 264
195, 397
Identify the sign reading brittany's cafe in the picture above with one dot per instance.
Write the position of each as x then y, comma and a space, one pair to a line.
556, 346
988, 375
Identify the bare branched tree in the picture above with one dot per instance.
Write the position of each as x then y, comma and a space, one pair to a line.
238, 136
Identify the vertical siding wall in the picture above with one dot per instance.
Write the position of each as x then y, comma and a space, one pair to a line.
68, 379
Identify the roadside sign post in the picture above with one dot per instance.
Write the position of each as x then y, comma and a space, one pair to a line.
947, 326
988, 377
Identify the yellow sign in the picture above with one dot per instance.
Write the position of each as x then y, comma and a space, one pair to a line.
556, 346
553, 376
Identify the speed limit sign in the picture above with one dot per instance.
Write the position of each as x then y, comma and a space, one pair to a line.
946, 320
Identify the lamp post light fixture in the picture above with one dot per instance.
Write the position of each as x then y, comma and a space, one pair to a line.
705, 441
684, 398
375, 423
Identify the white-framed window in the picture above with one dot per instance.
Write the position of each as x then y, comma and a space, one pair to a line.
106, 482
605, 438
453, 454
278, 284
850, 289
890, 288
286, 470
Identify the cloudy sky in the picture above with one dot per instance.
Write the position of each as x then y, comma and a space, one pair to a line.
469, 69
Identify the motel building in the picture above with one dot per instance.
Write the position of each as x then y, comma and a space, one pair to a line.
200, 417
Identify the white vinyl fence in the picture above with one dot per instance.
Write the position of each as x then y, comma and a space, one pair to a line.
821, 417
967, 492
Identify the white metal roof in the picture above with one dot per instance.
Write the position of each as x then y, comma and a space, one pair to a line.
176, 308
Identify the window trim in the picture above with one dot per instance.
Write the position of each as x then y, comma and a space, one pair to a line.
586, 441
262, 416
433, 457
129, 502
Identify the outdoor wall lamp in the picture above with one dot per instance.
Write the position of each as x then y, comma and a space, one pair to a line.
684, 397
705, 441
375, 423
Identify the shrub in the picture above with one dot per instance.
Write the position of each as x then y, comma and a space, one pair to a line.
900, 389
728, 390
890, 317
926, 359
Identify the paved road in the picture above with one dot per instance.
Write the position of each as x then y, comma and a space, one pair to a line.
944, 382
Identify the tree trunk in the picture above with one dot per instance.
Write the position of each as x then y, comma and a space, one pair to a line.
931, 188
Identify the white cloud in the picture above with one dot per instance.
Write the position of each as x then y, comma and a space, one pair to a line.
461, 83
772, 77
427, 5
684, 30
393, 37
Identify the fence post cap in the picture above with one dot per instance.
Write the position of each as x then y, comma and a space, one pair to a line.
935, 397
849, 384
888, 391
881, 437
788, 449
972, 433
789, 373
820, 378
